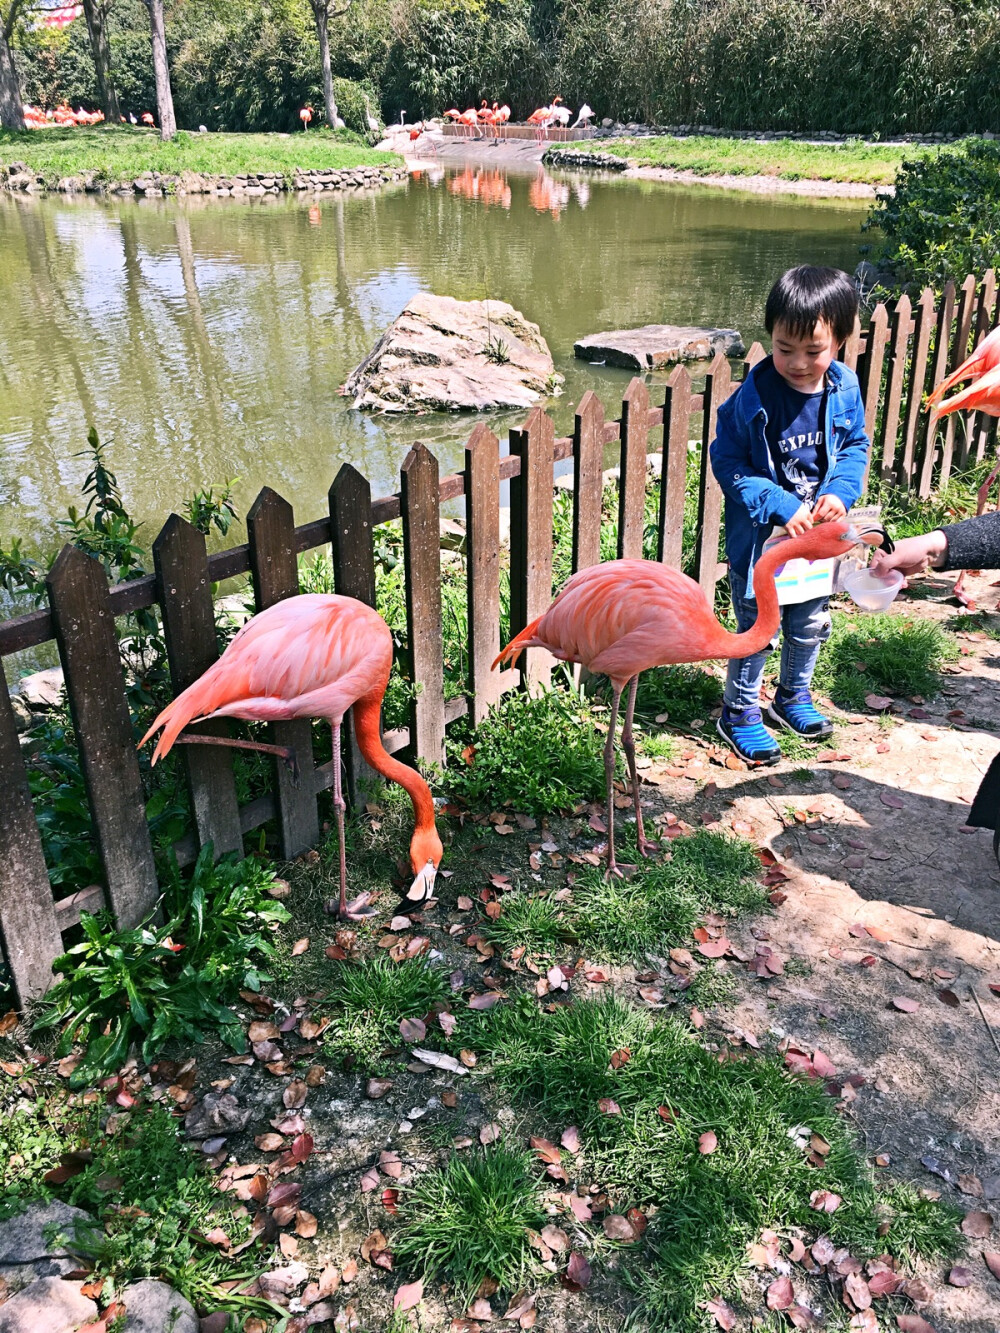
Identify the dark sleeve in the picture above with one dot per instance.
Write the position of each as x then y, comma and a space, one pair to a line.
974, 543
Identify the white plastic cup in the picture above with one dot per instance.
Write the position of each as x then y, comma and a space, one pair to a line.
871, 591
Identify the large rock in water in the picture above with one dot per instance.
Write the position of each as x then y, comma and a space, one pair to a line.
658, 345
446, 355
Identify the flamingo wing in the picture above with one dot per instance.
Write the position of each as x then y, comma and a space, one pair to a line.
985, 358
981, 396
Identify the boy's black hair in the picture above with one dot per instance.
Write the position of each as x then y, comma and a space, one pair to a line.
806, 294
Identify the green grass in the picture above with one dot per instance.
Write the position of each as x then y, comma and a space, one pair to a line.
788, 159
882, 654
369, 997
539, 753
708, 1207
684, 693
537, 923
643, 917
470, 1219
122, 152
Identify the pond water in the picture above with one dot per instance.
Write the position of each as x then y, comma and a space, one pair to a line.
208, 338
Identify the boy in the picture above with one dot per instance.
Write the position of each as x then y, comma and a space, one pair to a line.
790, 449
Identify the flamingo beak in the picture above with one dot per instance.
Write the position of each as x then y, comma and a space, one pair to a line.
422, 887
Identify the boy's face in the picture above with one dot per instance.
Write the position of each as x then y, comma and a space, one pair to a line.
803, 361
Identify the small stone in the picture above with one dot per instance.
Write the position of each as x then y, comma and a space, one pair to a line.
43, 689
216, 1113
154, 1307
52, 1304
22, 1237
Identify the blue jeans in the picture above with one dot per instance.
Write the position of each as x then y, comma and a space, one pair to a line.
804, 628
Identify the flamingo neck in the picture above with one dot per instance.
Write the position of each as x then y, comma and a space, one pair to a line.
366, 728
763, 629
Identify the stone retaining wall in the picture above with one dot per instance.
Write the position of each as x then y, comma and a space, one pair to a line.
562, 157
19, 178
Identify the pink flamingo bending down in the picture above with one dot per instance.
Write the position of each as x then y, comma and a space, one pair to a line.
620, 618
306, 115
985, 358
313, 655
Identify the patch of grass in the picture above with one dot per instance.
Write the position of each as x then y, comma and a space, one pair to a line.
661, 745
122, 152
795, 747
370, 997
539, 753
470, 1219
630, 920
882, 654
977, 623
149, 1193
158, 982
788, 159
537, 923
708, 1206
683, 693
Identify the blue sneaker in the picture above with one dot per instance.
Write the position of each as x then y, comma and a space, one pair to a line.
798, 713
748, 736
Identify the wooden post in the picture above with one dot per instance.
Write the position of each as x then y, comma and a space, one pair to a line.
673, 473
531, 537
632, 470
755, 354
421, 511
482, 556
942, 341
852, 346
717, 388
870, 366
923, 322
95, 688
353, 551
184, 591
275, 569
980, 424
959, 351
588, 484
894, 387
27, 913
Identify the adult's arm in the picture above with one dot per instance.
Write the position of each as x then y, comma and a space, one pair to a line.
972, 544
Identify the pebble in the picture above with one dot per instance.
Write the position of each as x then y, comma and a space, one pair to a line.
154, 1307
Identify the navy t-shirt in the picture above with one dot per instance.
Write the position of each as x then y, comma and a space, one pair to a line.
794, 433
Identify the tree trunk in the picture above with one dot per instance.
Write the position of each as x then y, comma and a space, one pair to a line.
11, 107
164, 97
96, 13
322, 13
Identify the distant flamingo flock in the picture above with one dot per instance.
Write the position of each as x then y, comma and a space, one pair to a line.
490, 122
66, 118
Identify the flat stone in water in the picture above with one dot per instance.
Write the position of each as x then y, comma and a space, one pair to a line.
153, 1307
655, 345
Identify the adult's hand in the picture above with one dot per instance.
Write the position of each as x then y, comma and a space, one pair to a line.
913, 554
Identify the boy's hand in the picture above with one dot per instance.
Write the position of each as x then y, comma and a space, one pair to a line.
801, 521
827, 508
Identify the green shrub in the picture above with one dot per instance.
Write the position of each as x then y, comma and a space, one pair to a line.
944, 219
173, 980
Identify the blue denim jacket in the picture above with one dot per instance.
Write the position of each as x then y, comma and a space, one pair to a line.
755, 500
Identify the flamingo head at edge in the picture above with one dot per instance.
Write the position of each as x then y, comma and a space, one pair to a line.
425, 857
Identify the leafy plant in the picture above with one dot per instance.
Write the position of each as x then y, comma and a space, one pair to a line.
157, 982
370, 997
470, 1220
497, 351
539, 753
207, 510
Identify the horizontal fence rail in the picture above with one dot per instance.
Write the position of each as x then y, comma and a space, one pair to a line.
901, 355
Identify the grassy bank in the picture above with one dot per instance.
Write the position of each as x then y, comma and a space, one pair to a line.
121, 152
789, 159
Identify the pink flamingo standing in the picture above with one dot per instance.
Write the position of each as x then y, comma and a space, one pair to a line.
313, 655
503, 116
306, 115
622, 617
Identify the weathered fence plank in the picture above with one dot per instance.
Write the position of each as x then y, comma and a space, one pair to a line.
531, 537
421, 511
980, 425
922, 327
632, 470
588, 485
482, 557
852, 346
180, 557
352, 545
870, 366
28, 923
95, 688
959, 351
673, 471
274, 565
939, 368
894, 387
718, 385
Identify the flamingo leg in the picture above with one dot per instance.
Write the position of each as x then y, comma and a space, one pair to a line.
609, 775
628, 745
339, 806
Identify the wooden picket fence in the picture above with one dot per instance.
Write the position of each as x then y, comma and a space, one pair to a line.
899, 357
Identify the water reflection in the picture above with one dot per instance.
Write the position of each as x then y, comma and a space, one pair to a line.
209, 338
